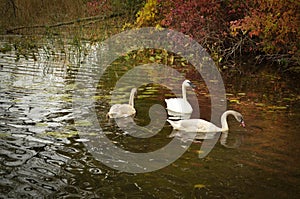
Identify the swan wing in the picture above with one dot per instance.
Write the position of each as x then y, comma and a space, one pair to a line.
206, 127
189, 125
179, 105
195, 125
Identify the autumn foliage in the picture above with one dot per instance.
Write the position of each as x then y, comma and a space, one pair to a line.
266, 29
275, 25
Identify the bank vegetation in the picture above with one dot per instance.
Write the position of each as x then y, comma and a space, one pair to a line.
259, 32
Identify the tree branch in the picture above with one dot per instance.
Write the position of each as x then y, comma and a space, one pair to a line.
79, 20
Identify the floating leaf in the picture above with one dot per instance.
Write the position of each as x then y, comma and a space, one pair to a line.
199, 151
71, 86
199, 186
234, 101
260, 104
83, 123
98, 97
277, 107
62, 134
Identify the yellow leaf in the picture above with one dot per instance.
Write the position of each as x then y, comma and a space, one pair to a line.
199, 151
259, 104
234, 101
199, 186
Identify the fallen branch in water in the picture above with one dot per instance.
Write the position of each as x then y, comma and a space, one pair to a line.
79, 20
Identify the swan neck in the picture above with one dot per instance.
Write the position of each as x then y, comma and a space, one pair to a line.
224, 120
183, 92
131, 98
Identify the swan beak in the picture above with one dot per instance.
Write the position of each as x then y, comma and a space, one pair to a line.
192, 85
243, 124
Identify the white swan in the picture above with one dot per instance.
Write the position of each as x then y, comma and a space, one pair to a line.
177, 106
200, 125
123, 110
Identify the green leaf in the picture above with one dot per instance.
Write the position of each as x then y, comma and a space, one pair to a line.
152, 59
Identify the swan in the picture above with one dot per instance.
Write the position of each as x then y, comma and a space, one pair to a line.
177, 106
123, 110
200, 125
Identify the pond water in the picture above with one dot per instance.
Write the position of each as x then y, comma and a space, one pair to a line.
43, 155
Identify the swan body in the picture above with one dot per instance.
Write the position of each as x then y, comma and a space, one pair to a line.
123, 110
177, 106
200, 125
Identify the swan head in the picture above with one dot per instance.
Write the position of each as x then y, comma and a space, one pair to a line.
240, 119
243, 123
188, 83
133, 92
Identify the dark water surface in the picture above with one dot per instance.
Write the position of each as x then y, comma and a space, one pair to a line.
42, 155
